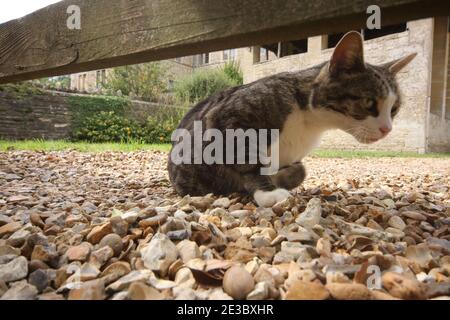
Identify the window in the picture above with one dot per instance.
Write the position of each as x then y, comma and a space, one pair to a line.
293, 47
283, 49
384, 31
229, 54
333, 39
101, 78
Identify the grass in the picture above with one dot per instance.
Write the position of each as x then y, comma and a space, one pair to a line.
320, 153
59, 145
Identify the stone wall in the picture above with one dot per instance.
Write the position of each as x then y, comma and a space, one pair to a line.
409, 133
32, 117
49, 116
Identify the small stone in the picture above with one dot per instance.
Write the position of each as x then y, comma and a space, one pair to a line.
124, 282
20, 290
395, 233
397, 223
18, 198
100, 257
312, 214
10, 228
113, 241
119, 226
349, 291
115, 271
337, 277
7, 250
188, 250
261, 291
420, 254
4, 220
303, 290
45, 253
159, 254
90, 290
88, 272
140, 291
185, 278
281, 207
178, 235
153, 221
323, 247
252, 266
39, 279
15, 270
374, 225
414, 215
130, 217
3, 288
18, 238
98, 232
79, 253
389, 203
36, 265
201, 203
36, 220
293, 249
238, 283
222, 203
402, 287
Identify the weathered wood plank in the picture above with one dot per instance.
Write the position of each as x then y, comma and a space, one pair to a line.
119, 32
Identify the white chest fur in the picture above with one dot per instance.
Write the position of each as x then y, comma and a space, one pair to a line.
299, 136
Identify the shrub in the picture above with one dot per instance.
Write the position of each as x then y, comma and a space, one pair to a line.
146, 81
201, 84
234, 72
107, 126
159, 126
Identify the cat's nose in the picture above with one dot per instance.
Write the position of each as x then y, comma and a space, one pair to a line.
385, 129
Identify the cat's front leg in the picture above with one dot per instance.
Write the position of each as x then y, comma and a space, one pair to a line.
289, 177
265, 193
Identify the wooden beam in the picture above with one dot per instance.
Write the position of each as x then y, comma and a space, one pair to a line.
119, 32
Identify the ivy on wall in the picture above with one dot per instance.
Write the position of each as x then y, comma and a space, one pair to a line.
84, 108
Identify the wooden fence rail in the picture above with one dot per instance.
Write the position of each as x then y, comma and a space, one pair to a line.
120, 32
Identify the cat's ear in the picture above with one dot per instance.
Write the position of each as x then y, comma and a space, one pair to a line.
348, 54
397, 65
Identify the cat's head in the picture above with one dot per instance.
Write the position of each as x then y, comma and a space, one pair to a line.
363, 98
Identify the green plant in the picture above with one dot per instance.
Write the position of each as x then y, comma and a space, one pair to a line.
201, 84
109, 127
162, 123
20, 90
146, 81
53, 83
233, 70
84, 108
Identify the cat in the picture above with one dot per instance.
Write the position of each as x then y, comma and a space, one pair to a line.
344, 93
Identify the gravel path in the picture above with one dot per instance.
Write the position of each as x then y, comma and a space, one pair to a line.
109, 226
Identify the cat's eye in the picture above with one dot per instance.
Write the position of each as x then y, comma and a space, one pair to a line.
394, 111
373, 107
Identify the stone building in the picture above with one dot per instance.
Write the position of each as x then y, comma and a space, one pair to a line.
423, 124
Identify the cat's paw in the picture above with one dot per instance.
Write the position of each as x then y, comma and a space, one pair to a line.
269, 198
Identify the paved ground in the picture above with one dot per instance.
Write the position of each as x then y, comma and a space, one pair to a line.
115, 219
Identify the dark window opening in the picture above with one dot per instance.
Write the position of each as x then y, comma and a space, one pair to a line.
206, 58
384, 31
333, 39
284, 49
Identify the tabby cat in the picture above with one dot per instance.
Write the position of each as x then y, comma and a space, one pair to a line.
344, 93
